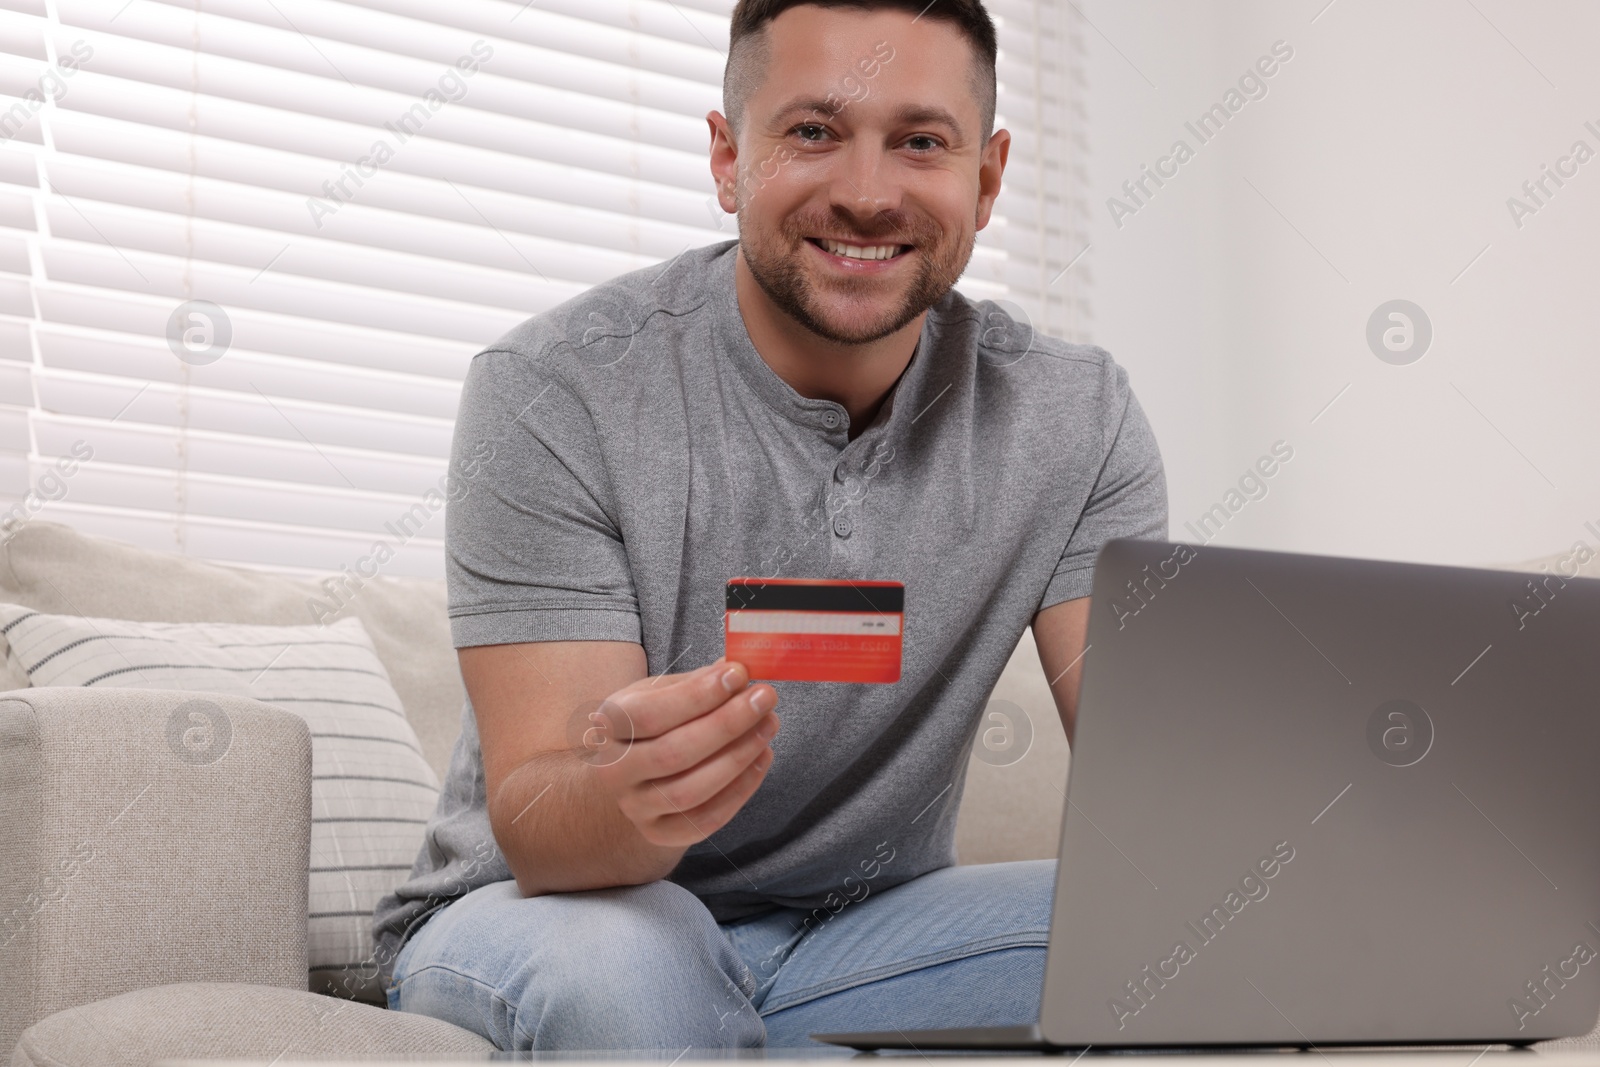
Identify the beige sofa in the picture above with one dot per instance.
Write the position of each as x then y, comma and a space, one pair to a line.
186, 935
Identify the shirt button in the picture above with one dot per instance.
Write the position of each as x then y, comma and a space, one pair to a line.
830, 419
839, 474
841, 526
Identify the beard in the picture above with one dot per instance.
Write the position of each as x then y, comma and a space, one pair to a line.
776, 261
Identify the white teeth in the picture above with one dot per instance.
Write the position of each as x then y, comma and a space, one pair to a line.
858, 252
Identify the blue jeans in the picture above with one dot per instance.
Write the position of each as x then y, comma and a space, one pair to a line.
647, 967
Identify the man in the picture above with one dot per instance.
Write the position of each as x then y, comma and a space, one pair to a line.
812, 401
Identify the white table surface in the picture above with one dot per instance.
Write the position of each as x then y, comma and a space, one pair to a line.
1463, 1057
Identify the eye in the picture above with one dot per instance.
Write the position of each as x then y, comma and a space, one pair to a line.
922, 143
817, 131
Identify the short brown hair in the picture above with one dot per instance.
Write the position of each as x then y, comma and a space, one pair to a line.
747, 45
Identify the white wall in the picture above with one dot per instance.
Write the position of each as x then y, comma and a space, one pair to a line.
1391, 142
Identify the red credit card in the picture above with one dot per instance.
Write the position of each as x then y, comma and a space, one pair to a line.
815, 630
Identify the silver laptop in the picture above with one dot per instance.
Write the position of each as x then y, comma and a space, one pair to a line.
1320, 801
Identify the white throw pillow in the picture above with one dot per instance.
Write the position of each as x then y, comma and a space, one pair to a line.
371, 789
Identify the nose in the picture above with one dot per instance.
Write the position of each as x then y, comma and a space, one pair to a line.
866, 184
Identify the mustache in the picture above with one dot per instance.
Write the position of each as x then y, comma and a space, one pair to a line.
886, 227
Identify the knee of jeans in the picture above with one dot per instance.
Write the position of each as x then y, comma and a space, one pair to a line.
649, 959
641, 931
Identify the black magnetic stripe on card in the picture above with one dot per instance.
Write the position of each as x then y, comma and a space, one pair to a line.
768, 596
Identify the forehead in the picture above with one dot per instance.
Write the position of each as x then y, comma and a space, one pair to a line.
894, 54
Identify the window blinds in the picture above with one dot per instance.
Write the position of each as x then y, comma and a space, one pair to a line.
1042, 235
247, 247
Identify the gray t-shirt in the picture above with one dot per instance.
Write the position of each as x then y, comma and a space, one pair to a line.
644, 454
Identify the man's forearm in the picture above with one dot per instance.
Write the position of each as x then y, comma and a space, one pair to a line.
561, 831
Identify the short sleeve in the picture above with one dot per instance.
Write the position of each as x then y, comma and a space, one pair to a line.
533, 551
1129, 499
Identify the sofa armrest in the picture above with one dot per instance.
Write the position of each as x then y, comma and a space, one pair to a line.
147, 837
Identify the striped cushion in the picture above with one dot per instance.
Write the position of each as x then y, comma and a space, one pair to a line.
372, 791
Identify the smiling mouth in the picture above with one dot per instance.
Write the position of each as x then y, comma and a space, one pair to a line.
855, 251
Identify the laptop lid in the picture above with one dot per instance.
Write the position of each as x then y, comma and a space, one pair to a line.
1323, 800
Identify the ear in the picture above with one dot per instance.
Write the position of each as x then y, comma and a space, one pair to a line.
724, 161
990, 168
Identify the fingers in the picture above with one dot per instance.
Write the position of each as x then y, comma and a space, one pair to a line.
696, 824
695, 749
687, 745
656, 705
700, 783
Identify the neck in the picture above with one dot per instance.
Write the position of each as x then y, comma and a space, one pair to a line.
857, 377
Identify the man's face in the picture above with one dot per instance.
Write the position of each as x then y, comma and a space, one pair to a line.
861, 177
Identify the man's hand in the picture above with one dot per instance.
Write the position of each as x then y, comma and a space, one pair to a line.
579, 800
695, 749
